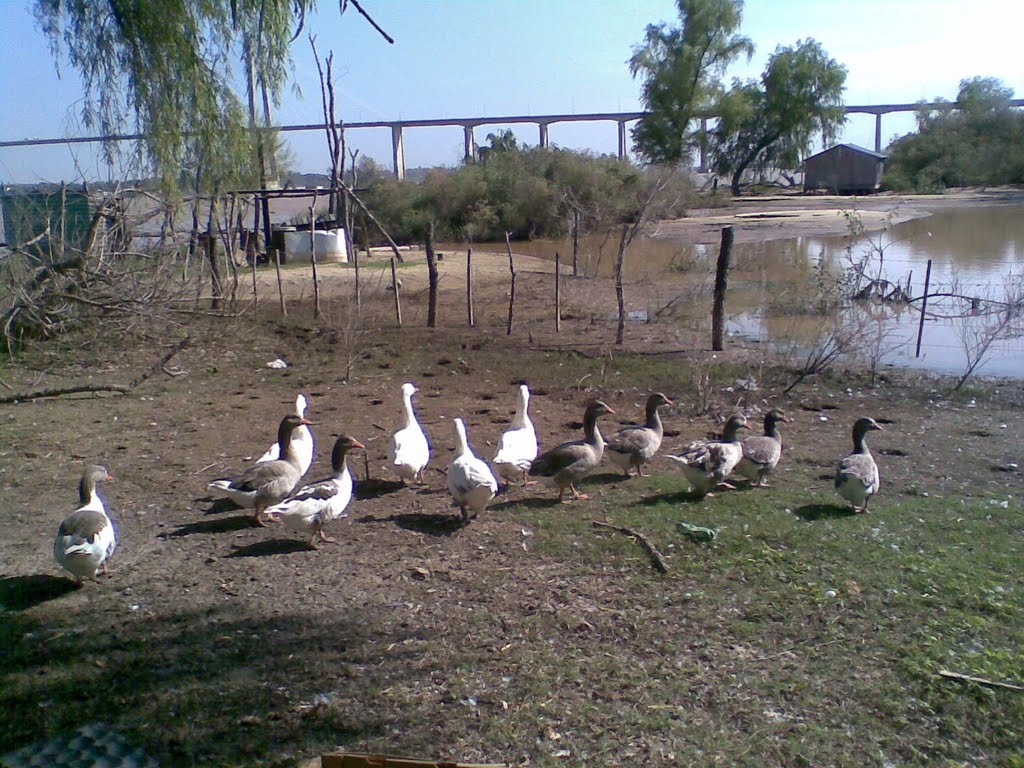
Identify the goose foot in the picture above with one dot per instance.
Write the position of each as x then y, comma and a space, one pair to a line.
257, 520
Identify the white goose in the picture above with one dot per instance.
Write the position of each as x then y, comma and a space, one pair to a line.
266, 482
706, 463
517, 447
302, 441
857, 477
85, 538
470, 480
315, 505
408, 452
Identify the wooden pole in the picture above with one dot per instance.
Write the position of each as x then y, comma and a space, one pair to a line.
558, 296
620, 299
312, 256
924, 307
431, 277
512, 289
721, 280
398, 300
575, 241
280, 287
469, 287
253, 247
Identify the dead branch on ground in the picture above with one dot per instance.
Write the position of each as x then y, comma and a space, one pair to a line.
656, 558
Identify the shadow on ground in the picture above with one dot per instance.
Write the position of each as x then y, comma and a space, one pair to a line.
812, 512
18, 593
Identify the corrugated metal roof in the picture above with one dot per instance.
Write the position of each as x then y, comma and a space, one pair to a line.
854, 147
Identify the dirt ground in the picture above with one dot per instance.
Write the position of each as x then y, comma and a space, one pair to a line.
213, 642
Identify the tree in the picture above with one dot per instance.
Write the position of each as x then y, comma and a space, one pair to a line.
976, 140
771, 125
165, 69
681, 67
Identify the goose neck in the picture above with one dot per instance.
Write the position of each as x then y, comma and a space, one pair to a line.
654, 418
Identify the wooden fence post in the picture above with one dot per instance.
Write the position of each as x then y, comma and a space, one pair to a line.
721, 279
432, 277
312, 257
924, 307
280, 287
512, 290
469, 287
394, 284
558, 295
575, 241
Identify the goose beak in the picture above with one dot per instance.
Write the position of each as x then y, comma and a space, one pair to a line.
304, 420
107, 476
357, 444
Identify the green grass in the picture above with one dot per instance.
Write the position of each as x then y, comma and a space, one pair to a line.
813, 624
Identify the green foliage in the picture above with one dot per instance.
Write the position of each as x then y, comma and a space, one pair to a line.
164, 69
529, 192
978, 140
681, 67
771, 125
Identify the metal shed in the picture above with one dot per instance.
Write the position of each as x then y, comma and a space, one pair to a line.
844, 169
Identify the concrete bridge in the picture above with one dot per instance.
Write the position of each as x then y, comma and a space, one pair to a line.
469, 124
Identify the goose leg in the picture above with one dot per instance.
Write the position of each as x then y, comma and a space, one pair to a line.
640, 471
465, 514
257, 518
577, 495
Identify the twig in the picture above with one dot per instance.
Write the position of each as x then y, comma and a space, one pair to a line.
656, 558
58, 391
980, 680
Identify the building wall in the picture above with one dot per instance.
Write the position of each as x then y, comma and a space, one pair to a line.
843, 170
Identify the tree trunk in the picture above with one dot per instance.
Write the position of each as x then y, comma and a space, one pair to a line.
431, 277
721, 278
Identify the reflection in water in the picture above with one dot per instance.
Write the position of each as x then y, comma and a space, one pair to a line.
975, 252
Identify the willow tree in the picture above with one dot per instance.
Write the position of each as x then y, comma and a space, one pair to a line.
772, 124
166, 70
681, 68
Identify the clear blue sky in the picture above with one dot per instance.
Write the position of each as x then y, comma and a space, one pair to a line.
455, 58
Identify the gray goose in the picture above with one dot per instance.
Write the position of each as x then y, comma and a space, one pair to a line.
635, 446
314, 505
565, 465
85, 538
266, 483
761, 453
707, 463
857, 474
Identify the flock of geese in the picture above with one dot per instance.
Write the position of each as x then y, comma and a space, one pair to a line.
272, 487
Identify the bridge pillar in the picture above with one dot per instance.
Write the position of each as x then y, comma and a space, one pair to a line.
623, 151
470, 144
398, 151
703, 145
543, 135
878, 132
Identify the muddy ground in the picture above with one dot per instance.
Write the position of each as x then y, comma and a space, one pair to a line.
213, 642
